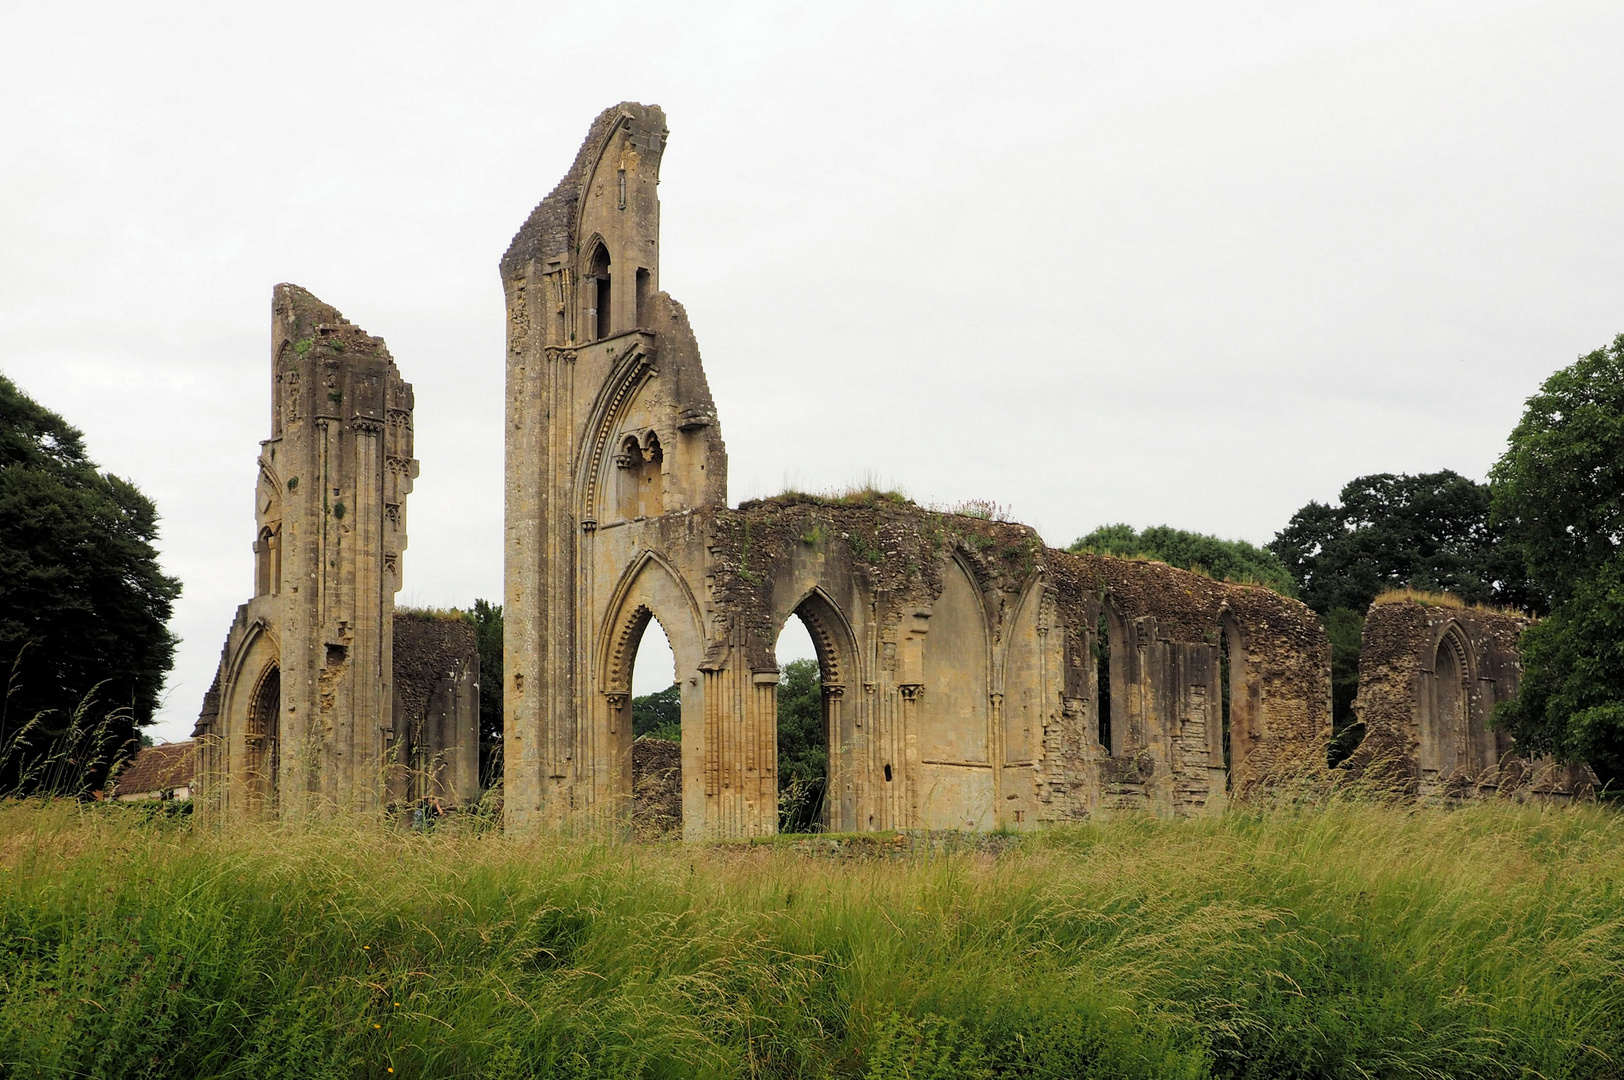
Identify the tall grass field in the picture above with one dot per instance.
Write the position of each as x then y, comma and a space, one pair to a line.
1345, 940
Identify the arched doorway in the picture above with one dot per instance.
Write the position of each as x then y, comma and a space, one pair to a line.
1443, 740
803, 734
819, 782
656, 729
262, 763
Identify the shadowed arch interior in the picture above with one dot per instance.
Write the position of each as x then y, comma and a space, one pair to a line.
1444, 740
263, 756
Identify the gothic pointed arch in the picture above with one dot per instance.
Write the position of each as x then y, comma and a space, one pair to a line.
1445, 724
627, 375
832, 637
650, 588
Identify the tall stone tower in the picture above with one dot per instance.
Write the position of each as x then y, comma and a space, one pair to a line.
300, 718
609, 422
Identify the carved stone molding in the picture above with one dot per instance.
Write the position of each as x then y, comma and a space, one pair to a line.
911, 691
616, 699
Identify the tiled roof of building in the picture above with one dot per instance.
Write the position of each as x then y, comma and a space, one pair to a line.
157, 768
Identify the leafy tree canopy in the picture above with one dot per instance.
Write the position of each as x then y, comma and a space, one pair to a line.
1227, 560
1559, 488
1559, 494
1429, 531
803, 752
83, 605
658, 715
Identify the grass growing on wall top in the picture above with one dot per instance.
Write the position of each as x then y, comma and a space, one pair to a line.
1355, 940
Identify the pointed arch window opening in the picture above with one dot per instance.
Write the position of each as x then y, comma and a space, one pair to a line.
653, 715
599, 294
268, 561
1451, 724
1102, 678
263, 757
804, 725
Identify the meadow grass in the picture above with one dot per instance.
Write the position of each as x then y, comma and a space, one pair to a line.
1343, 940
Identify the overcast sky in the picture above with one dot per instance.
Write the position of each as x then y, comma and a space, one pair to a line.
1192, 264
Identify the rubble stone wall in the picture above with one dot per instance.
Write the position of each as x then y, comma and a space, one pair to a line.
1430, 677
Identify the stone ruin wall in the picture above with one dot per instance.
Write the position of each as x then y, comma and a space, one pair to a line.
302, 714
959, 656
955, 653
1430, 678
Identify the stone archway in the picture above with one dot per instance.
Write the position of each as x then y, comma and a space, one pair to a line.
840, 681
262, 756
1444, 733
649, 591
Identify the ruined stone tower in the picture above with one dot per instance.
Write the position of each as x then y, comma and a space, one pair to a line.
300, 717
609, 420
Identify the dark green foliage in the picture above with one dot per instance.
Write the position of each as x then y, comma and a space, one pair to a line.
1571, 702
803, 751
1559, 488
1226, 560
1429, 532
1559, 495
658, 715
1345, 627
83, 606
487, 620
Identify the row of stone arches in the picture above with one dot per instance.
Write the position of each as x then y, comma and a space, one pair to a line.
655, 609
952, 732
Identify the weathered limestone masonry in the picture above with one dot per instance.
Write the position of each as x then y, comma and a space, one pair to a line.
1429, 679
960, 659
301, 717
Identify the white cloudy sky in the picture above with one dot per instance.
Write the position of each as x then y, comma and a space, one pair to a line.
1193, 263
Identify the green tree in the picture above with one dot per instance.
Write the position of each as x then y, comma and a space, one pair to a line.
83, 605
487, 620
1430, 531
1559, 497
1227, 560
803, 751
658, 715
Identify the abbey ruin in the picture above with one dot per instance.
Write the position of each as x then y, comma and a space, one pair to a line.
972, 677
316, 702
